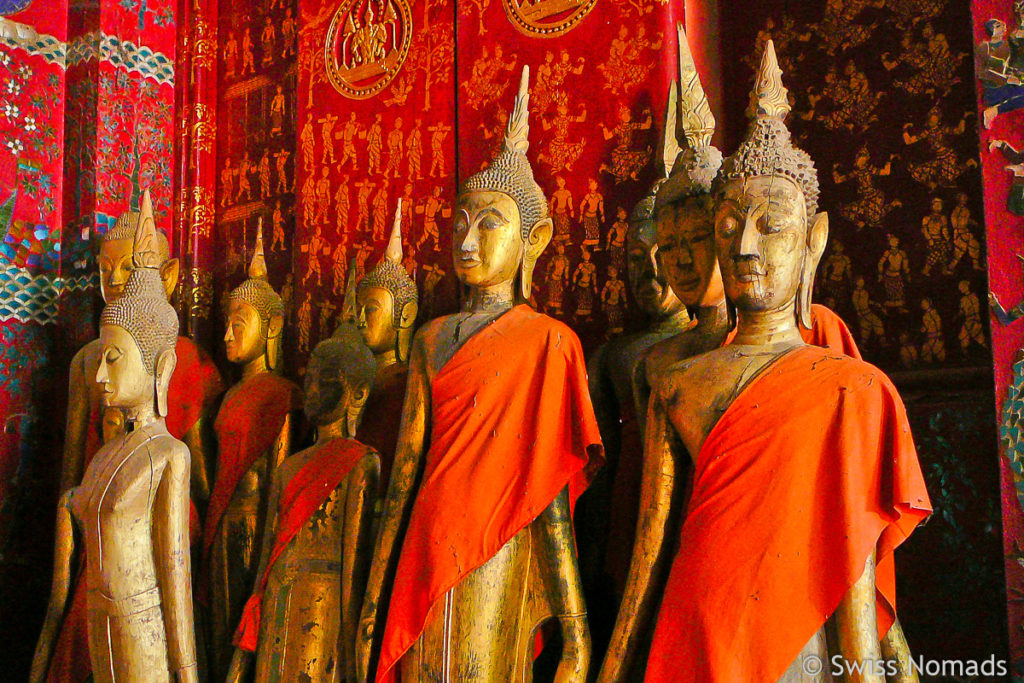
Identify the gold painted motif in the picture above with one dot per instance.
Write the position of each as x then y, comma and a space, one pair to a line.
201, 299
367, 43
204, 127
547, 18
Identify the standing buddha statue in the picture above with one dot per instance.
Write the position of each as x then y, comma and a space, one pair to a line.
129, 515
301, 620
254, 434
768, 570
497, 440
607, 515
386, 308
195, 385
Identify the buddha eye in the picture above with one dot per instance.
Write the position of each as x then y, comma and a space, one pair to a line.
488, 223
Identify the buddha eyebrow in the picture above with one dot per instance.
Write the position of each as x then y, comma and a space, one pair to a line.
493, 211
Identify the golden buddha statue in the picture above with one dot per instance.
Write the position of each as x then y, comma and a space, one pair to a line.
131, 510
195, 385
768, 571
605, 538
301, 621
496, 441
386, 308
254, 435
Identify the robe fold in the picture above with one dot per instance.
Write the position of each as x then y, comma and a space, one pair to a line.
511, 426
810, 469
305, 492
249, 420
195, 385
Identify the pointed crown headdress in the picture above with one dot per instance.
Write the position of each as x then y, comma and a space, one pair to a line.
142, 310
255, 290
692, 169
510, 172
767, 150
390, 274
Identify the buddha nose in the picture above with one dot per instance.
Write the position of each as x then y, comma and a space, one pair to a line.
749, 242
101, 371
229, 335
471, 242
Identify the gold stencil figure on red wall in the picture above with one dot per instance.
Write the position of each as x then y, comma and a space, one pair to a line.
547, 18
367, 43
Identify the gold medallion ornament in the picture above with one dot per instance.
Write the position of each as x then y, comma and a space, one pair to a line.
367, 43
547, 18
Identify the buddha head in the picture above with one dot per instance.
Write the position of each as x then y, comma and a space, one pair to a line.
683, 208
769, 235
339, 379
255, 315
115, 257
139, 330
387, 301
501, 223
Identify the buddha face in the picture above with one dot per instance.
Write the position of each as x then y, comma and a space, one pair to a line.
686, 252
375, 308
646, 278
487, 245
324, 390
115, 262
244, 340
124, 378
761, 241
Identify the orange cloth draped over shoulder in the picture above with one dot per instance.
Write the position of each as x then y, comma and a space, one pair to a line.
511, 426
249, 420
807, 472
195, 384
305, 492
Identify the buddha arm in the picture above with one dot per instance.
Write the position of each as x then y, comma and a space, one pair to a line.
557, 563
63, 570
857, 627
412, 444
357, 544
241, 661
651, 551
641, 388
77, 424
895, 648
198, 440
173, 564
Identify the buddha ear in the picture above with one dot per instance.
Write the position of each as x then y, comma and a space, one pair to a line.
169, 273
408, 316
403, 341
165, 363
536, 242
354, 410
275, 327
817, 238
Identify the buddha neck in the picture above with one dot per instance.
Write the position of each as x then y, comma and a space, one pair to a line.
386, 359
139, 416
764, 328
712, 318
255, 366
333, 430
673, 322
492, 299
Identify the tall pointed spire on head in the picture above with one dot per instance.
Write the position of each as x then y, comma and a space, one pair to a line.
510, 172
769, 99
348, 304
145, 252
670, 141
258, 264
394, 251
517, 134
695, 117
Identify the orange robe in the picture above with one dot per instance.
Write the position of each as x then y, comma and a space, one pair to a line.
381, 418
512, 425
305, 492
195, 384
249, 420
807, 472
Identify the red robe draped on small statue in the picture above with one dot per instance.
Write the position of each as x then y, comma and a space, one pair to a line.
249, 420
195, 385
305, 492
810, 469
511, 426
